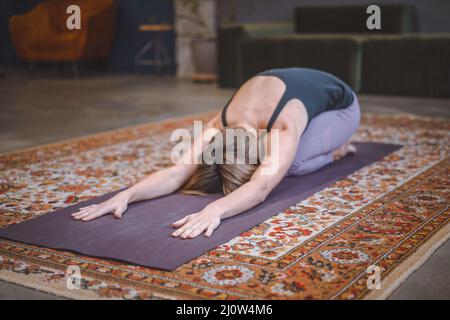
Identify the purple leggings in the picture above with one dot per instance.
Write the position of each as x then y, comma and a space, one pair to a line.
326, 132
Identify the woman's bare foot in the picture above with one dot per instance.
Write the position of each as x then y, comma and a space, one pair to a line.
344, 150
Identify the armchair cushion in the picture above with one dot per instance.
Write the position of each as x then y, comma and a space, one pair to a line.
42, 35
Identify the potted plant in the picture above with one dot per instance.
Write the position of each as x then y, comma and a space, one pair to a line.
198, 24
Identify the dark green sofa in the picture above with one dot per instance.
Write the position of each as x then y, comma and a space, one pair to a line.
412, 65
378, 62
336, 54
395, 19
229, 50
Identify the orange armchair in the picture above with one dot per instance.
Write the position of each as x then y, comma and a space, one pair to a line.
41, 34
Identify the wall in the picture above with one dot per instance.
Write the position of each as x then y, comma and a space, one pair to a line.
130, 14
432, 15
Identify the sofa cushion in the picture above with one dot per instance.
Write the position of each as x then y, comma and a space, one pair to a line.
414, 65
229, 47
337, 55
352, 19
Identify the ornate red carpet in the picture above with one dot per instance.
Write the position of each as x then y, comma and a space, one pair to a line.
391, 214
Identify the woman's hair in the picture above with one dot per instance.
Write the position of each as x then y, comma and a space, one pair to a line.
226, 173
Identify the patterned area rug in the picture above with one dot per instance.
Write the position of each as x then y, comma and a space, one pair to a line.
392, 214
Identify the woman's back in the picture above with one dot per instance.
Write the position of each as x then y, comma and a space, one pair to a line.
318, 90
265, 96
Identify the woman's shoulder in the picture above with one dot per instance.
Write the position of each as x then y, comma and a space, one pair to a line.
216, 121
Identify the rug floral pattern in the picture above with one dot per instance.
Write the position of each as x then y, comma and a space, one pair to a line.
317, 249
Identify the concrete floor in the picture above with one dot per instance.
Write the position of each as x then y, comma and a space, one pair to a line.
46, 109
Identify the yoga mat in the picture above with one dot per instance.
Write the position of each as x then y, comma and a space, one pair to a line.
143, 237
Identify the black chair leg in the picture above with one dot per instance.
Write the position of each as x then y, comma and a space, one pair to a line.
75, 70
31, 68
60, 67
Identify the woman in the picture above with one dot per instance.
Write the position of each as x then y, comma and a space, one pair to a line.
315, 115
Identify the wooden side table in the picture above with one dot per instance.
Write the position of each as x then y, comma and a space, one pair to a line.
162, 56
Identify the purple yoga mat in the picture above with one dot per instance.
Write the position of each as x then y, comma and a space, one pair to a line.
143, 237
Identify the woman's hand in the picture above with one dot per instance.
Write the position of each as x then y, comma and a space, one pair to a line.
195, 224
117, 205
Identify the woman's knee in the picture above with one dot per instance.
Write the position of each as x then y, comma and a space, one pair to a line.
348, 124
301, 167
326, 133
354, 112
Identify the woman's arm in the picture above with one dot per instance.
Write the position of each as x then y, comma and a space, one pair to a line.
157, 184
160, 183
263, 181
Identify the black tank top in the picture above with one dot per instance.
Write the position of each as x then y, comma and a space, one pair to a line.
319, 91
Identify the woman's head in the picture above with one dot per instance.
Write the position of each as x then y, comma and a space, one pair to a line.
228, 162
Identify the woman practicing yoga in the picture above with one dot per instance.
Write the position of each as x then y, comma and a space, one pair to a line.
310, 115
